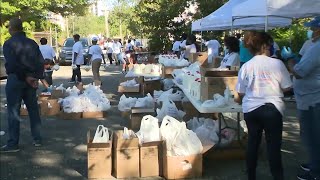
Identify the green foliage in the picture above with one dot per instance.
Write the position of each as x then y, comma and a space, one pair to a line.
27, 27
86, 25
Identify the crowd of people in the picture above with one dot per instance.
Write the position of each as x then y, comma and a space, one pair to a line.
263, 77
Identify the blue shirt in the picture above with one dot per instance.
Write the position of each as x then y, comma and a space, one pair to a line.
307, 89
23, 57
245, 55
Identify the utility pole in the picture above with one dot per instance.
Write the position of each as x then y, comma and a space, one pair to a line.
106, 15
67, 24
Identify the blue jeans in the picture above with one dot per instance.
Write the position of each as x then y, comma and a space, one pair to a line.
16, 91
310, 134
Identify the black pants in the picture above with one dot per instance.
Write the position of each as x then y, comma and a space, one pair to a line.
268, 119
48, 77
76, 72
110, 57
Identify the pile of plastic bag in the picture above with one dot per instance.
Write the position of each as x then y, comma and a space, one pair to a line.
126, 103
92, 100
60, 87
219, 100
129, 83
206, 129
169, 108
160, 96
149, 130
167, 84
147, 69
179, 140
174, 62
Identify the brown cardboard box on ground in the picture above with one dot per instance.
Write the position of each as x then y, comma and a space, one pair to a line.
97, 114
125, 156
181, 167
56, 94
149, 159
150, 86
126, 89
167, 70
201, 57
70, 116
50, 107
213, 85
43, 97
99, 158
137, 115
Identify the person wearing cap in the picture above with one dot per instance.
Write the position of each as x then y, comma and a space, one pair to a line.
96, 56
307, 95
24, 66
77, 59
50, 56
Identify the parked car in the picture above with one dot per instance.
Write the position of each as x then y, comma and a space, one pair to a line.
65, 55
2, 62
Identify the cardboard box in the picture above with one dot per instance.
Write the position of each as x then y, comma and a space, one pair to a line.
125, 156
56, 94
50, 107
190, 110
42, 97
213, 85
201, 57
98, 114
167, 70
126, 89
99, 158
181, 167
70, 116
137, 115
149, 159
150, 86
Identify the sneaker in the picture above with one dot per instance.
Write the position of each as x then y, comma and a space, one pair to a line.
37, 143
305, 167
7, 149
306, 176
72, 82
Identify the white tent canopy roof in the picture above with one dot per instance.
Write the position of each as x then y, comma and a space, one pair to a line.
277, 8
221, 19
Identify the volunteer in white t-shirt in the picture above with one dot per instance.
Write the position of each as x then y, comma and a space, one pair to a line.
190, 47
117, 55
232, 57
129, 51
50, 56
96, 56
110, 50
213, 49
176, 47
77, 59
262, 81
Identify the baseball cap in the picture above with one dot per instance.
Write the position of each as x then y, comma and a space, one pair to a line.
313, 23
95, 39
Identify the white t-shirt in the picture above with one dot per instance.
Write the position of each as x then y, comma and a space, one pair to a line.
213, 47
176, 46
47, 52
307, 45
230, 59
261, 80
116, 47
109, 46
96, 52
190, 49
78, 48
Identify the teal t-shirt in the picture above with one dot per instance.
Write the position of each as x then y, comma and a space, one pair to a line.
245, 55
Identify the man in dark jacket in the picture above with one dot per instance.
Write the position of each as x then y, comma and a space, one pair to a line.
24, 66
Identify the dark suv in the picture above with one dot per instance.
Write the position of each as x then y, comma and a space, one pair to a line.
65, 54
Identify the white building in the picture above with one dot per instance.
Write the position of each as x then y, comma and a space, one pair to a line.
97, 7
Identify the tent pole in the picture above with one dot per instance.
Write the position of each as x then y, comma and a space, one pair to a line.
201, 41
232, 24
266, 24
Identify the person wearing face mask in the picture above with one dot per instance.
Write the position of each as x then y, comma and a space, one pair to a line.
261, 83
308, 43
307, 94
231, 49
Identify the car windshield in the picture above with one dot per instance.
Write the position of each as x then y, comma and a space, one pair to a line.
70, 42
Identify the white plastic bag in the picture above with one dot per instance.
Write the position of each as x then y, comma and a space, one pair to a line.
125, 104
56, 67
169, 108
186, 143
146, 102
149, 130
101, 135
218, 101
128, 134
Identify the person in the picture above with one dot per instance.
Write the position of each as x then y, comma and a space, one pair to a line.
231, 48
176, 47
213, 49
118, 55
50, 56
96, 56
191, 46
245, 54
276, 50
307, 94
262, 81
308, 43
24, 67
109, 50
183, 44
77, 59
129, 51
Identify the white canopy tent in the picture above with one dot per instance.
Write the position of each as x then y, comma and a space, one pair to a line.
221, 19
277, 8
